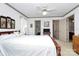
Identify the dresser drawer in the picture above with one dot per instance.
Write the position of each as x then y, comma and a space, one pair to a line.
76, 43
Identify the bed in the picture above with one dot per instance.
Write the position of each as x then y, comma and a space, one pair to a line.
29, 45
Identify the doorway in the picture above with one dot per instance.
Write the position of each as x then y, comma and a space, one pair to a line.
71, 27
56, 29
37, 27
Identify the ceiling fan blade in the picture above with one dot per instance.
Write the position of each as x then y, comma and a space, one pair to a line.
45, 8
41, 7
51, 9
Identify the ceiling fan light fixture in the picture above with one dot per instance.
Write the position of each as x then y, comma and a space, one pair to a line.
44, 12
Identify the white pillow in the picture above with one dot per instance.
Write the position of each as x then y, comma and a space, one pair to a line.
2, 37
7, 36
16, 33
11, 36
21, 34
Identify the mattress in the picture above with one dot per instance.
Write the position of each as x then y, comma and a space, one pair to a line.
28, 46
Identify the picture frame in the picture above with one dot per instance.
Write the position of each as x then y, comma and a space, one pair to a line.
9, 23
3, 22
46, 23
13, 24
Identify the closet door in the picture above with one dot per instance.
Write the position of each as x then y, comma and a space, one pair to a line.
37, 27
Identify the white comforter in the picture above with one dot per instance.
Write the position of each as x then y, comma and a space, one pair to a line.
28, 46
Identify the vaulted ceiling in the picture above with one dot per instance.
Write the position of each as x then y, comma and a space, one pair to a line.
35, 9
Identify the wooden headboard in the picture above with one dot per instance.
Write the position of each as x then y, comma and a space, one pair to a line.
8, 32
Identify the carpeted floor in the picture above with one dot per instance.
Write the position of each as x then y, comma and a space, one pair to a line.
66, 49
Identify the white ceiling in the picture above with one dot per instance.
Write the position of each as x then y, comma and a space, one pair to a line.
32, 9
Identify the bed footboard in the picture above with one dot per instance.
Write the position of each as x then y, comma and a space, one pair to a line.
58, 48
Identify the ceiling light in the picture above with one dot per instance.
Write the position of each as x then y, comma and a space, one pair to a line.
44, 12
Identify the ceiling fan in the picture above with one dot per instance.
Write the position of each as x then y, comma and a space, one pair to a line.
44, 9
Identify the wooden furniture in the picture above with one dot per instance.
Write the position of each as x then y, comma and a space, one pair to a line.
76, 44
6, 32
58, 48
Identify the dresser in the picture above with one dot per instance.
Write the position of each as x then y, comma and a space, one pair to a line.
76, 44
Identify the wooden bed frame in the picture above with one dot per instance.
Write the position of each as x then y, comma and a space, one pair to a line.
58, 48
6, 32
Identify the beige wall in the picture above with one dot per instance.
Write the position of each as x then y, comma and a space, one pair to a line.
56, 29
67, 29
63, 30
32, 21
8, 11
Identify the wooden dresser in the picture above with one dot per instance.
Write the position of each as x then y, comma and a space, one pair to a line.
76, 44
